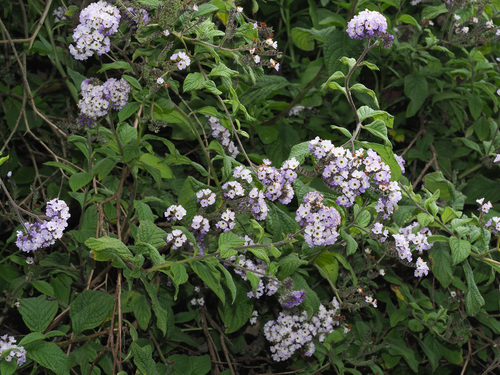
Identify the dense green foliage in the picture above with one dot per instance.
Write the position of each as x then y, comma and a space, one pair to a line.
131, 289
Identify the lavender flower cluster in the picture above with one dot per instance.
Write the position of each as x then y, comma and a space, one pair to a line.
97, 22
8, 343
290, 298
97, 100
45, 233
222, 135
407, 240
182, 60
320, 221
259, 268
366, 24
352, 174
293, 331
279, 181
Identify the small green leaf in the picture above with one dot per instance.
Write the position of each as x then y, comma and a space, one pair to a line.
193, 81
133, 81
442, 266
143, 359
79, 180
406, 18
116, 65
227, 241
211, 87
378, 129
473, 298
222, 70
128, 110
142, 311
289, 264
352, 244
329, 266
417, 90
43, 287
209, 278
460, 249
107, 248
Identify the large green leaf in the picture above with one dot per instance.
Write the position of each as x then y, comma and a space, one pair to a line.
417, 90
460, 249
90, 309
38, 313
211, 279
473, 298
50, 356
441, 263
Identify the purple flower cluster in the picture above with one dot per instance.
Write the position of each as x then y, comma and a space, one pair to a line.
59, 14
97, 22
137, 15
293, 331
97, 100
494, 225
279, 181
8, 343
320, 221
351, 174
222, 135
407, 240
182, 59
205, 197
175, 213
367, 24
258, 205
259, 268
177, 238
45, 233
292, 298
233, 189
227, 221
201, 226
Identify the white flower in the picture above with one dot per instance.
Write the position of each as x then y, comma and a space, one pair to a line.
160, 81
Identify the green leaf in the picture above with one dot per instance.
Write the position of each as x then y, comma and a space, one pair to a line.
67, 168
328, 264
227, 241
460, 249
264, 88
179, 276
222, 70
190, 365
90, 309
398, 315
107, 248
442, 266
79, 180
352, 245
32, 337
378, 129
415, 88
300, 151
430, 12
154, 162
336, 45
160, 313
208, 278
143, 359
406, 18
347, 266
37, 313
289, 264
50, 356
142, 311
343, 130
116, 65
43, 287
8, 368
128, 110
365, 112
473, 298
211, 87
193, 81
475, 105
228, 278
149, 233
103, 167
359, 87
303, 38
133, 81
425, 219
237, 314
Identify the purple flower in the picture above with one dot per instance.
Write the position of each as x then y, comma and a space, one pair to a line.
292, 299
366, 24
